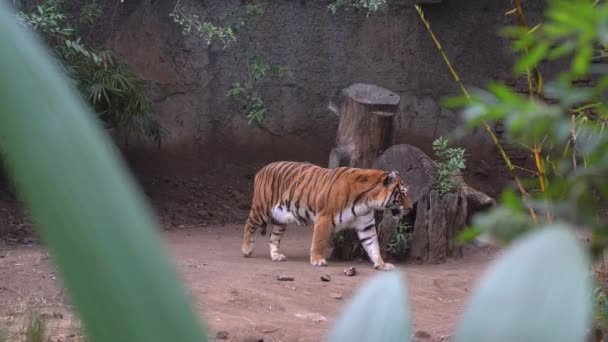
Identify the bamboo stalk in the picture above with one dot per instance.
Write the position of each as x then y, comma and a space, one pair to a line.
487, 127
534, 88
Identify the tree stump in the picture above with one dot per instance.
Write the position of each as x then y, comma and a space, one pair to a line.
437, 219
365, 130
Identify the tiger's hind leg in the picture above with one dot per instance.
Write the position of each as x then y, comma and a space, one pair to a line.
275, 241
249, 236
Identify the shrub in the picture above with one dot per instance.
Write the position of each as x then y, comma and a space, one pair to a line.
449, 164
399, 243
118, 95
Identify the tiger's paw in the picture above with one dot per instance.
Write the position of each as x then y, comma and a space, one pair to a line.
278, 257
247, 250
385, 267
318, 261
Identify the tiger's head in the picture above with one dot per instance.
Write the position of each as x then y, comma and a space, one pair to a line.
398, 200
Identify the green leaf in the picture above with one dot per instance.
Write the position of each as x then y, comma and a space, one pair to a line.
468, 234
582, 60
379, 311
532, 58
503, 92
561, 50
538, 290
90, 212
457, 101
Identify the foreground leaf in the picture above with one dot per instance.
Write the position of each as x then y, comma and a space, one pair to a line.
379, 311
90, 213
539, 290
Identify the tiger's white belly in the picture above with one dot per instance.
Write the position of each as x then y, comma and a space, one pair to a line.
283, 215
345, 219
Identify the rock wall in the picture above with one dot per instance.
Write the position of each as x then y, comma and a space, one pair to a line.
324, 54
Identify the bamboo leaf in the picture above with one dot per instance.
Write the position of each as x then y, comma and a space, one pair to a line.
582, 59
532, 58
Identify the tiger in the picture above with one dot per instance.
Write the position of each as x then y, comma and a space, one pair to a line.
306, 194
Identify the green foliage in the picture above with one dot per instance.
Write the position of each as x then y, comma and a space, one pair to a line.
49, 20
244, 94
567, 132
90, 12
601, 307
253, 11
118, 95
250, 104
205, 29
89, 211
369, 6
572, 28
36, 329
540, 281
337, 239
224, 32
399, 243
451, 161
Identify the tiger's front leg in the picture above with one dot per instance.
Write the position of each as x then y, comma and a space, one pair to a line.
366, 231
320, 238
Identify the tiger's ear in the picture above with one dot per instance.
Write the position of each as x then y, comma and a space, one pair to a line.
391, 178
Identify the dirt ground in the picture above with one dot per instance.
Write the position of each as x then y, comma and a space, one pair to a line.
242, 297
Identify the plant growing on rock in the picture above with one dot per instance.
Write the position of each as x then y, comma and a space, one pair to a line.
450, 163
399, 243
369, 6
244, 94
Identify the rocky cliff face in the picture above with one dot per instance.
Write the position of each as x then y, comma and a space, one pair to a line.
324, 54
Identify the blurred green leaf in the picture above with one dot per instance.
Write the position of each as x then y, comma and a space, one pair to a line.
532, 58
538, 290
468, 235
456, 101
561, 50
582, 59
87, 208
378, 311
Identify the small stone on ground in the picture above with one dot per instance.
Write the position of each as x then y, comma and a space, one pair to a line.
351, 271
335, 296
285, 278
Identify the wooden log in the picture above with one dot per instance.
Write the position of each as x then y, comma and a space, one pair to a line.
365, 128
